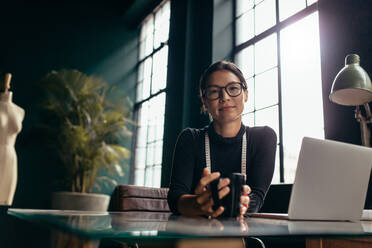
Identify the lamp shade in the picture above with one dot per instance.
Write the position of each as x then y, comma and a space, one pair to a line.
352, 85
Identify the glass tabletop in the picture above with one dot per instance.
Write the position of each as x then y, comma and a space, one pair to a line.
129, 225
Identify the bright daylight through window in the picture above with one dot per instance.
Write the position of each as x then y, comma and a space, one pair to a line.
277, 47
150, 99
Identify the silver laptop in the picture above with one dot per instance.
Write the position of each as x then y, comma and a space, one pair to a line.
331, 181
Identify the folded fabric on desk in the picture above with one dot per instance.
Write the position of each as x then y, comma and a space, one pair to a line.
138, 198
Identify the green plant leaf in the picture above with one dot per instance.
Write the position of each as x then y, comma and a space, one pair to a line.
85, 126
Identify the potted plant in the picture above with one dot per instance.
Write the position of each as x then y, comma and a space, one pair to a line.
87, 125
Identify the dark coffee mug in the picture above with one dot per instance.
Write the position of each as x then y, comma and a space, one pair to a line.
231, 202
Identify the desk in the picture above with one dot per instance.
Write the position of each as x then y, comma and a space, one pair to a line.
142, 226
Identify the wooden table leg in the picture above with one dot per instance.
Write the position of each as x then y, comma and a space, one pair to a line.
362, 242
211, 243
314, 243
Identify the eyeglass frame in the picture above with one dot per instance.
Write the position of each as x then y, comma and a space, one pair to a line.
243, 87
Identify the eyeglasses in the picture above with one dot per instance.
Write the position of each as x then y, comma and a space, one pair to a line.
233, 89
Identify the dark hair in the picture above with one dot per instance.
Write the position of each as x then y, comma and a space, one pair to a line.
218, 66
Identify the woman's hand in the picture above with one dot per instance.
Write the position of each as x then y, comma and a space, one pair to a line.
203, 200
244, 201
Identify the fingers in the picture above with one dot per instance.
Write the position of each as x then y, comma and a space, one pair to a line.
206, 172
203, 198
223, 192
223, 183
205, 180
218, 212
206, 202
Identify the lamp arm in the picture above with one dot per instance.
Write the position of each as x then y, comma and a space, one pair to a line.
368, 112
364, 130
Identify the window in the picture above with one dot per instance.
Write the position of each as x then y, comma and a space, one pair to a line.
150, 97
277, 48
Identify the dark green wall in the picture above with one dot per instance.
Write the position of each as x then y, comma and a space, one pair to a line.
43, 36
39, 37
223, 30
345, 27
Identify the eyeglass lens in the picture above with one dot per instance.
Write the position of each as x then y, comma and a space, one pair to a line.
232, 89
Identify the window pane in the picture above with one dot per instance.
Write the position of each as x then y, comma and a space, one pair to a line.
141, 71
157, 176
302, 103
290, 160
276, 176
142, 125
139, 89
310, 2
249, 105
248, 119
141, 136
142, 49
159, 80
264, 16
146, 38
158, 23
265, 54
149, 177
245, 61
161, 25
150, 153
289, 7
140, 157
159, 127
149, 40
159, 115
166, 13
140, 176
158, 152
266, 89
268, 117
143, 32
244, 28
243, 6
166, 18
151, 79
152, 116
143, 114
147, 78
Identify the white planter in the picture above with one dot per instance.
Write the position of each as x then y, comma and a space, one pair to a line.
80, 201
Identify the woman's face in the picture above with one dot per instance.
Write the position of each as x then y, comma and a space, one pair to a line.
225, 108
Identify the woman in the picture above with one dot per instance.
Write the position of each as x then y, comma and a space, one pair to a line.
223, 92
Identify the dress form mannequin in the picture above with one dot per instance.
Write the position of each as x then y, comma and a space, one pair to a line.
11, 117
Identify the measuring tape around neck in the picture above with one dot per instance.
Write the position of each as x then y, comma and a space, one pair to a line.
244, 153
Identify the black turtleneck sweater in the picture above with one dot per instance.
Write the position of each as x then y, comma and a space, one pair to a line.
189, 161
